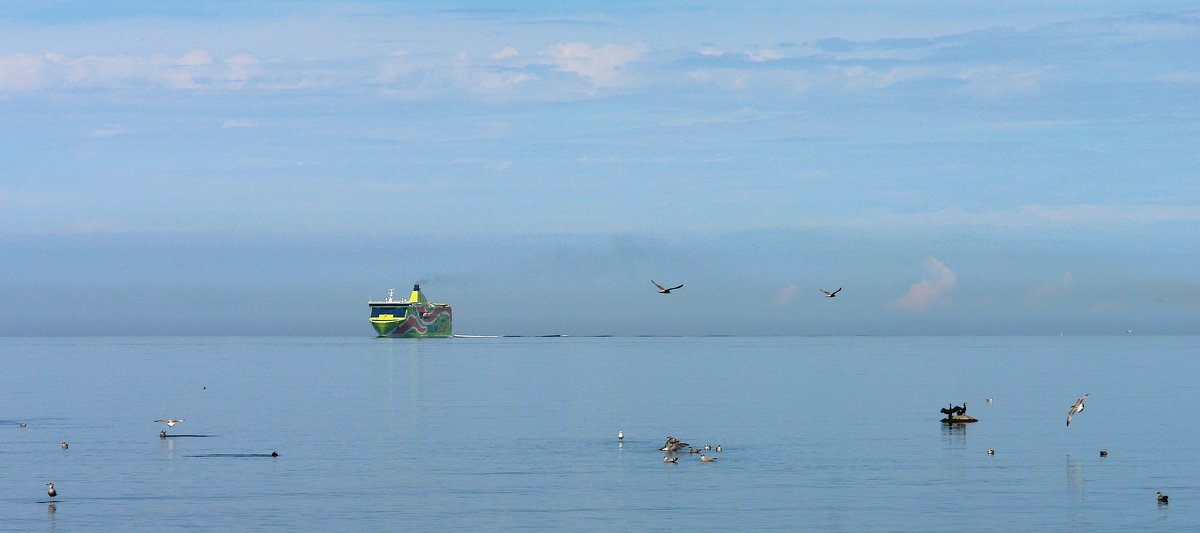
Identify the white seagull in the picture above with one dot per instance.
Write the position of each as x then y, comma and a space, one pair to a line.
1077, 408
665, 290
830, 294
170, 422
620, 435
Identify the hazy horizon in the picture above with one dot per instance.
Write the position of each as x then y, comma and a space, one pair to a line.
265, 168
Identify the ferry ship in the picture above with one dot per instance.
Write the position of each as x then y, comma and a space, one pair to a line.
414, 317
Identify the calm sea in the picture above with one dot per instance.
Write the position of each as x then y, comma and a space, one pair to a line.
818, 433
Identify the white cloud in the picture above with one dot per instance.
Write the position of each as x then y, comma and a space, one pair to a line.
784, 297
20, 72
242, 67
504, 53
762, 56
932, 291
599, 65
234, 123
997, 80
108, 130
1051, 291
1042, 215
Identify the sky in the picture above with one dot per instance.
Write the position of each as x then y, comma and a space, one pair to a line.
267, 167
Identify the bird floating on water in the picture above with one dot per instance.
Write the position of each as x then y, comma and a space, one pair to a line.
1162, 498
274, 454
718, 448
1104, 452
673, 445
991, 452
162, 434
670, 459
21, 425
707, 447
707, 459
64, 444
665, 290
693, 451
1075, 409
170, 422
620, 435
989, 400
831, 294
50, 490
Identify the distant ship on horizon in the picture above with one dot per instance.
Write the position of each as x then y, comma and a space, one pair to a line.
414, 317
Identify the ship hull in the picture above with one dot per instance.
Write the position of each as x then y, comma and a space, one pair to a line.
436, 323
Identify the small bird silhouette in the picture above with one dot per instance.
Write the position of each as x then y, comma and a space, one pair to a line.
1075, 409
665, 290
21, 425
1104, 452
64, 444
50, 490
274, 454
170, 422
991, 452
831, 294
1162, 498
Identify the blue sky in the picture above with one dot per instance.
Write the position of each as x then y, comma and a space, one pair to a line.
266, 167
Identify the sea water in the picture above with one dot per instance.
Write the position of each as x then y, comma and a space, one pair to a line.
817, 433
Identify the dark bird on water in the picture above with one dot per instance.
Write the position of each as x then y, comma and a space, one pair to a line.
673, 445
665, 290
162, 434
274, 454
1162, 498
64, 444
1075, 409
991, 452
1104, 452
830, 294
50, 490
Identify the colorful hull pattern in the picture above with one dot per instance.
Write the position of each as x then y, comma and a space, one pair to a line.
415, 317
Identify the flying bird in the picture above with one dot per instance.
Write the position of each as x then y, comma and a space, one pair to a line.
665, 290
1077, 408
50, 490
170, 422
830, 294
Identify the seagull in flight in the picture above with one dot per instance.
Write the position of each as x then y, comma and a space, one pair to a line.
1077, 408
170, 422
665, 290
830, 294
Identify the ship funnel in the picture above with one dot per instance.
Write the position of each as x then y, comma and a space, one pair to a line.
417, 296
